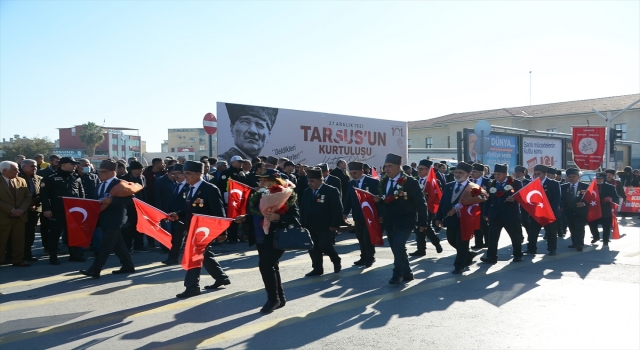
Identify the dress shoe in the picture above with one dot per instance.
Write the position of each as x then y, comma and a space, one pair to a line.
489, 261
531, 252
90, 274
31, 258
188, 294
77, 258
218, 284
269, 306
517, 258
21, 264
121, 271
170, 262
595, 240
360, 262
552, 252
606, 243
579, 248
418, 253
477, 247
337, 267
141, 250
438, 248
470, 257
314, 273
457, 272
370, 262
395, 280
283, 302
572, 246
408, 277
54, 262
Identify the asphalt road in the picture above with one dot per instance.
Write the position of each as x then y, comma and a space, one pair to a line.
587, 300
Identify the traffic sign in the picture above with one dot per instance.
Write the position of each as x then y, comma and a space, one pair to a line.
210, 123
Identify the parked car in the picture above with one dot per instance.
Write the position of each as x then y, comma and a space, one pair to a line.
587, 176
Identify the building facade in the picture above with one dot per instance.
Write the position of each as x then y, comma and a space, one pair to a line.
119, 143
194, 140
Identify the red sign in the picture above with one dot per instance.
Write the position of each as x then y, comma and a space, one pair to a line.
588, 146
186, 149
210, 123
632, 204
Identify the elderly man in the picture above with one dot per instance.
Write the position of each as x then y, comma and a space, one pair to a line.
608, 195
250, 129
29, 168
552, 190
15, 200
340, 172
330, 179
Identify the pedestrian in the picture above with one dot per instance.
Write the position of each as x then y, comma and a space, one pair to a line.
15, 200
132, 238
424, 167
177, 203
574, 208
608, 195
478, 177
329, 179
552, 192
29, 168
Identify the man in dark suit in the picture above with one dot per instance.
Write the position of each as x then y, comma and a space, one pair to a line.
502, 211
132, 238
330, 179
28, 169
574, 208
45, 227
352, 205
561, 226
519, 174
447, 216
209, 202
234, 172
321, 214
414, 170
482, 235
303, 184
608, 195
552, 190
163, 194
424, 168
611, 179
176, 204
401, 207
441, 170
111, 221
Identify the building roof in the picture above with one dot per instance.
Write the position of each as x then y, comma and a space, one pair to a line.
603, 104
104, 127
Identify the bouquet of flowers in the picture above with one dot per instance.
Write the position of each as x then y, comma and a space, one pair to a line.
273, 200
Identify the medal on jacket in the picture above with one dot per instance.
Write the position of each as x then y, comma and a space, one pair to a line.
199, 202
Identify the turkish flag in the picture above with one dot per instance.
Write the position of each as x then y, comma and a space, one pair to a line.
615, 229
149, 219
82, 216
469, 220
238, 197
202, 231
534, 200
370, 212
588, 146
432, 189
592, 197
374, 173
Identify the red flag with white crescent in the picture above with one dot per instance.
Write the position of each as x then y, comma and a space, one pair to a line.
237, 198
82, 217
534, 200
469, 220
592, 197
370, 213
374, 173
202, 231
615, 229
433, 190
149, 219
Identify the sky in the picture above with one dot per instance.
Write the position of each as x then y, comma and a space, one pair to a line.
155, 65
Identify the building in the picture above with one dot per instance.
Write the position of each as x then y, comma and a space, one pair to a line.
120, 143
194, 141
553, 119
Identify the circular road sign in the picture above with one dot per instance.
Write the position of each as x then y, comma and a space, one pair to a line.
210, 123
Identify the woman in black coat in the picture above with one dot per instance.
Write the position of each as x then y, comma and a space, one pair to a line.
269, 257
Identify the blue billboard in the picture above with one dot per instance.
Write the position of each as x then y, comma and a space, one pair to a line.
494, 149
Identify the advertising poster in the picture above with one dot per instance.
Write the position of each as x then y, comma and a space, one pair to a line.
496, 149
540, 150
588, 146
307, 137
632, 204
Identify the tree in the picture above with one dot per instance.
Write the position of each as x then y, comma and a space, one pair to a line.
91, 136
27, 147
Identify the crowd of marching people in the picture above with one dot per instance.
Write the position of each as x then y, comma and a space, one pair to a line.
471, 202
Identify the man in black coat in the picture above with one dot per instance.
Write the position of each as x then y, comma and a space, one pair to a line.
424, 168
611, 179
552, 190
519, 174
502, 211
45, 227
321, 214
401, 207
176, 204
330, 179
352, 205
111, 221
236, 173
132, 238
210, 203
608, 195
481, 236
574, 208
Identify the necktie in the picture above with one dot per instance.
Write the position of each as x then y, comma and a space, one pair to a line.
190, 196
421, 181
315, 193
458, 185
390, 191
101, 189
573, 189
176, 190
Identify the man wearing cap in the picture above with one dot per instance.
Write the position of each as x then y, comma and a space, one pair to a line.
502, 211
519, 173
552, 190
447, 215
287, 168
330, 179
132, 238
250, 129
111, 220
210, 203
574, 207
163, 195
63, 183
424, 167
177, 203
611, 179
401, 207
481, 236
271, 163
235, 173
321, 214
608, 195
560, 228
352, 205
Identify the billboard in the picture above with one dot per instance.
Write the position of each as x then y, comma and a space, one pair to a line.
541, 150
495, 149
306, 137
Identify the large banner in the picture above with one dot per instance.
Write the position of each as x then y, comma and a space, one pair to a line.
588, 146
307, 137
496, 149
540, 150
632, 204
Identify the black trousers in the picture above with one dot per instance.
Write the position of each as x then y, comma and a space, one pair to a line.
45, 228
322, 244
524, 219
606, 228
269, 265
132, 238
514, 229
576, 224
30, 232
192, 279
232, 232
177, 237
454, 237
57, 225
481, 236
551, 233
367, 250
421, 237
112, 241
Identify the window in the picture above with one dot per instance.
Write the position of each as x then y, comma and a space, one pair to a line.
429, 142
73, 131
622, 127
409, 142
552, 130
192, 139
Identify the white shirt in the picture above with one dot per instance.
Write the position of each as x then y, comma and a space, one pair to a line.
316, 191
7, 181
106, 185
395, 182
195, 187
359, 182
181, 185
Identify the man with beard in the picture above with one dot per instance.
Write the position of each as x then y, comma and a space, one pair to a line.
250, 129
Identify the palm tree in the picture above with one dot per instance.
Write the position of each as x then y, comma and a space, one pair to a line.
91, 136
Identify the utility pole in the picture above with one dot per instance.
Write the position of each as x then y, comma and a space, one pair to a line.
529, 88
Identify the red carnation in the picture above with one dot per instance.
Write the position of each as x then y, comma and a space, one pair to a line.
275, 189
509, 181
388, 198
499, 194
401, 180
475, 192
